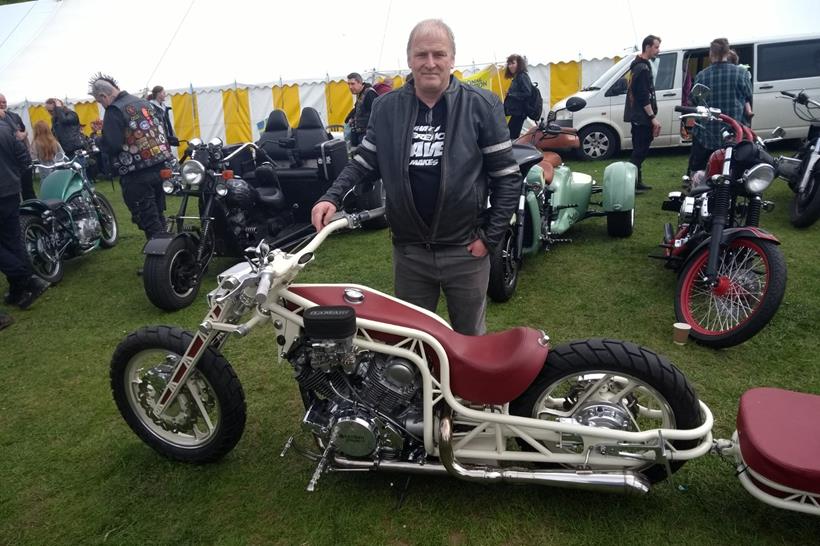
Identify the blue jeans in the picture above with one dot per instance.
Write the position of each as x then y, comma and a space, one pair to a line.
420, 275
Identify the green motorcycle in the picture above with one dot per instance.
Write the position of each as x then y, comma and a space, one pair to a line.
69, 219
553, 199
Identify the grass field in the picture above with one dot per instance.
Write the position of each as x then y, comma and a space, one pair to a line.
73, 473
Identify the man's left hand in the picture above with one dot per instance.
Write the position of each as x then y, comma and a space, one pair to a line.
477, 248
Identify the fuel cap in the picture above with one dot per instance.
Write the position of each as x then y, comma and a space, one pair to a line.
353, 295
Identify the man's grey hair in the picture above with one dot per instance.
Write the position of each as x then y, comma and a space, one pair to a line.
102, 83
426, 26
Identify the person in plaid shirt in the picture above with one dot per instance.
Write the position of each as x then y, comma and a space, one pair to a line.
730, 89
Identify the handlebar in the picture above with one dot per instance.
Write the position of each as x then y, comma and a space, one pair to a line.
687, 109
264, 287
788, 94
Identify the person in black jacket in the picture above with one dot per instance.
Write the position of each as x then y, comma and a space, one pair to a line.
24, 286
440, 147
135, 141
16, 123
163, 111
65, 124
359, 116
519, 93
641, 107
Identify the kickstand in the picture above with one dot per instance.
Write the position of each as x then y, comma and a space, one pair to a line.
402, 491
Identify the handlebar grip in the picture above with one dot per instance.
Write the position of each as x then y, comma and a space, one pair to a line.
366, 215
790, 95
264, 286
686, 109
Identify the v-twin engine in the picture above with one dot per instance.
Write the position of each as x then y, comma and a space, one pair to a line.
366, 404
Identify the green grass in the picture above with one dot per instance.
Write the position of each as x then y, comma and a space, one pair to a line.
73, 473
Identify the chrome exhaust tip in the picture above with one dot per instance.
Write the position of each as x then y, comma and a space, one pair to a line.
623, 482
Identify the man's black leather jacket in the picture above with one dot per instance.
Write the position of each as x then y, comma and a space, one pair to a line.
477, 160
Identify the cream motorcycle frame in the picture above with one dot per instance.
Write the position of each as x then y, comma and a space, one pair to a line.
249, 287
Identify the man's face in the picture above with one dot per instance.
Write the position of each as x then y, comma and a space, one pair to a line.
653, 50
105, 99
161, 97
3, 104
355, 86
431, 59
50, 106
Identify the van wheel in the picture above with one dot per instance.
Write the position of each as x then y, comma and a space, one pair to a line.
597, 142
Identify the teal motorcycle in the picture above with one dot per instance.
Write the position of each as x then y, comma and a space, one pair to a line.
553, 199
69, 219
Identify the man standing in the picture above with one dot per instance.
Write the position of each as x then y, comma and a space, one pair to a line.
730, 90
135, 142
359, 116
641, 107
24, 286
19, 128
440, 147
157, 100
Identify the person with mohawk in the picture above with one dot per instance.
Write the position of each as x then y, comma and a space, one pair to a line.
135, 141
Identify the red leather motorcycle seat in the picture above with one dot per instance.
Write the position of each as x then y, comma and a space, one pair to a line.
490, 369
779, 433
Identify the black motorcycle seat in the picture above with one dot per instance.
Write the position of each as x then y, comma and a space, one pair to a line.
276, 129
310, 132
271, 196
53, 204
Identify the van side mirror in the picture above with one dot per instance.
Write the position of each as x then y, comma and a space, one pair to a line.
618, 88
575, 103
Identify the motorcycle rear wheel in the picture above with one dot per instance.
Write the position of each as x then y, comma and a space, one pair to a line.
43, 258
168, 278
503, 269
613, 384
752, 281
207, 418
804, 210
108, 222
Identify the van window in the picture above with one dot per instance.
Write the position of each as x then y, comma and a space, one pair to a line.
788, 60
665, 78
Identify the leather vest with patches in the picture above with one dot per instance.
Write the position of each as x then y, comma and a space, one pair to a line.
145, 142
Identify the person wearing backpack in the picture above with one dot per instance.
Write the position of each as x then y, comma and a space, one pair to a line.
517, 105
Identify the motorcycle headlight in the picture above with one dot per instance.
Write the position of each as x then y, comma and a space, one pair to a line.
192, 172
168, 186
758, 177
221, 189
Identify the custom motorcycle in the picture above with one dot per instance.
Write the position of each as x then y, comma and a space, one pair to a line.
553, 199
69, 219
236, 210
802, 171
731, 273
387, 386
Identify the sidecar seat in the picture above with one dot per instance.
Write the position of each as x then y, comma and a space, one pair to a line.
276, 129
316, 152
779, 435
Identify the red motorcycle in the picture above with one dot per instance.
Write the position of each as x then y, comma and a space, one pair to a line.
731, 273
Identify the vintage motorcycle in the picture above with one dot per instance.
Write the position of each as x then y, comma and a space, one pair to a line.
388, 386
731, 273
69, 219
236, 210
553, 199
802, 171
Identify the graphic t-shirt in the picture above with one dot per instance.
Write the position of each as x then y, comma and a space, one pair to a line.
425, 157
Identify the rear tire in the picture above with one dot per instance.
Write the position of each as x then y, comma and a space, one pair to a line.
582, 380
41, 255
503, 269
208, 416
804, 210
722, 316
620, 223
169, 279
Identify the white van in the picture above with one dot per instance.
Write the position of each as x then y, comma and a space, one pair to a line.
780, 64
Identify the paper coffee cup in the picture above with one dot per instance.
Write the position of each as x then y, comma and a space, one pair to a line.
680, 333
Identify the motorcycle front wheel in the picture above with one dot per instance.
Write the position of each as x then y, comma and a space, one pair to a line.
108, 222
503, 269
171, 279
37, 242
750, 286
612, 384
207, 418
804, 209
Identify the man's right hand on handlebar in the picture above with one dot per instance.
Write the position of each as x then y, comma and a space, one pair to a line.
321, 214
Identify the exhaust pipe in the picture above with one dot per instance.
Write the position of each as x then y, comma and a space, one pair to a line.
624, 482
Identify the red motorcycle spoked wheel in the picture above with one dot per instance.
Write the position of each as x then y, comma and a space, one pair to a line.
750, 287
